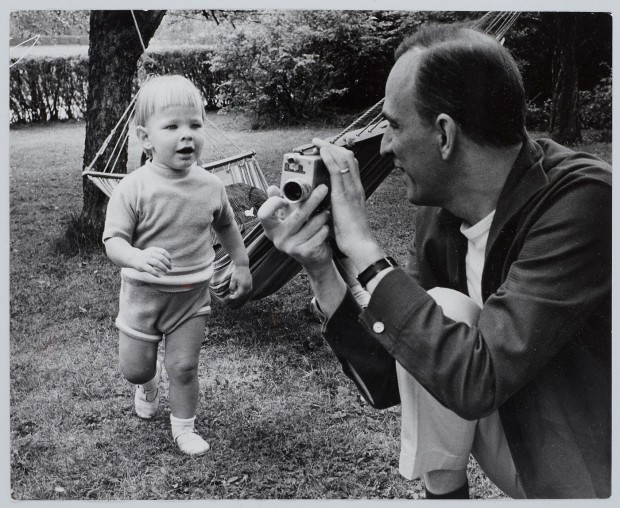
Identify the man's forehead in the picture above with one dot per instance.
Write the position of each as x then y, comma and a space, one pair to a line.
405, 67
400, 82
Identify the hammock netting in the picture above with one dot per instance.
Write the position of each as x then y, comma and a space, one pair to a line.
246, 185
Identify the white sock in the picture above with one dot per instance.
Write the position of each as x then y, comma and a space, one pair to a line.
181, 425
186, 437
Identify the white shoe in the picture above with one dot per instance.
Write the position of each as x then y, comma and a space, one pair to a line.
190, 443
147, 402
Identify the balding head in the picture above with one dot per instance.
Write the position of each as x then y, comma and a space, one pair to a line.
469, 76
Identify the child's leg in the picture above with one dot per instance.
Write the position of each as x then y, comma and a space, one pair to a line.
181, 360
138, 362
137, 359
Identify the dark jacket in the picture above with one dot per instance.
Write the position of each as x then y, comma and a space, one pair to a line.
541, 352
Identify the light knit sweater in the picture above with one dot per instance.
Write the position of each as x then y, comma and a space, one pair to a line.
174, 210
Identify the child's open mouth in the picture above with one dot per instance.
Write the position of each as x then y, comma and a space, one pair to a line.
186, 150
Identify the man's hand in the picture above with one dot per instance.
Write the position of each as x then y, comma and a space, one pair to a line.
348, 206
295, 231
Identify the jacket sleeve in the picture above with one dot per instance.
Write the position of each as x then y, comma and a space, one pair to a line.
560, 277
364, 360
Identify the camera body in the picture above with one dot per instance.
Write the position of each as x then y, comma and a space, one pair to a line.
301, 174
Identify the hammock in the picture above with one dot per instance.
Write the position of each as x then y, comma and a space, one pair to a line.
246, 184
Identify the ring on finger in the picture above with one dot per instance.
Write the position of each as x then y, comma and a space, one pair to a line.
345, 169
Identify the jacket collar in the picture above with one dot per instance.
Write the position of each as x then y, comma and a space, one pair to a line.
525, 179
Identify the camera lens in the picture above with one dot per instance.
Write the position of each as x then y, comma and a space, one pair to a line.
295, 191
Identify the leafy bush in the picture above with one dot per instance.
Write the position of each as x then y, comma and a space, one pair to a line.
44, 89
274, 78
595, 106
537, 115
594, 109
193, 63
296, 65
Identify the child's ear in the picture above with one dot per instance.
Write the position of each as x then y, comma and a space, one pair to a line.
143, 136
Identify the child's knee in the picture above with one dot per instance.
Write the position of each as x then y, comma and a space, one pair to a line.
181, 370
137, 373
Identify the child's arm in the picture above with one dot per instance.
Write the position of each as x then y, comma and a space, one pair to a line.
231, 240
153, 260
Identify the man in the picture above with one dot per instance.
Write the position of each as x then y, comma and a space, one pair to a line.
523, 228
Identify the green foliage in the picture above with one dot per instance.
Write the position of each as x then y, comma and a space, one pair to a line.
595, 106
296, 65
193, 63
44, 89
48, 23
594, 109
537, 116
274, 77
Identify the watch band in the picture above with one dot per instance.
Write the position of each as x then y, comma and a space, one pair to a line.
369, 273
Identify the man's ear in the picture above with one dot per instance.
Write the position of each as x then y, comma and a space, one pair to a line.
447, 131
143, 136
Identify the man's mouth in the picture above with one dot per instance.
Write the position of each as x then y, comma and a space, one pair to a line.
186, 150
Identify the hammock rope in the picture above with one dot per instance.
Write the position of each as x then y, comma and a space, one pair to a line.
34, 40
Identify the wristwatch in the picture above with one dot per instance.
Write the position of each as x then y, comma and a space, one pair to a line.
369, 273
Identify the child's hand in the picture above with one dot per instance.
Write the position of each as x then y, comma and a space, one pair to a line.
240, 284
153, 260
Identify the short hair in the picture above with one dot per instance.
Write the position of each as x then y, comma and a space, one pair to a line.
161, 92
470, 76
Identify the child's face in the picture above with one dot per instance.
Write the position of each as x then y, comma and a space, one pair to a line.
175, 136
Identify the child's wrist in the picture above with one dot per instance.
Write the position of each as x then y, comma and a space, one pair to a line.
242, 263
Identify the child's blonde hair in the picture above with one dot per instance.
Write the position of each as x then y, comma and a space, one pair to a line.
161, 92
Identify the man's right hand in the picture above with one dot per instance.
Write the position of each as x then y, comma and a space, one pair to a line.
295, 231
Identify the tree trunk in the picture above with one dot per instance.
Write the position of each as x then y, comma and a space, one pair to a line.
114, 51
564, 120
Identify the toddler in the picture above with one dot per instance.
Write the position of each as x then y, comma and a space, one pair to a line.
158, 230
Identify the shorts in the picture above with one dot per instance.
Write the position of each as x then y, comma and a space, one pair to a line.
434, 437
146, 312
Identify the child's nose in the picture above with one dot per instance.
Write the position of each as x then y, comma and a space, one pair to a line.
187, 135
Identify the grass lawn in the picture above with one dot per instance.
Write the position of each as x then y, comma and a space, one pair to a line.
282, 419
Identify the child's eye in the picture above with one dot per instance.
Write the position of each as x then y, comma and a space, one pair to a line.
196, 126
170, 127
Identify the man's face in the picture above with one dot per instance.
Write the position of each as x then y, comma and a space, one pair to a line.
409, 140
